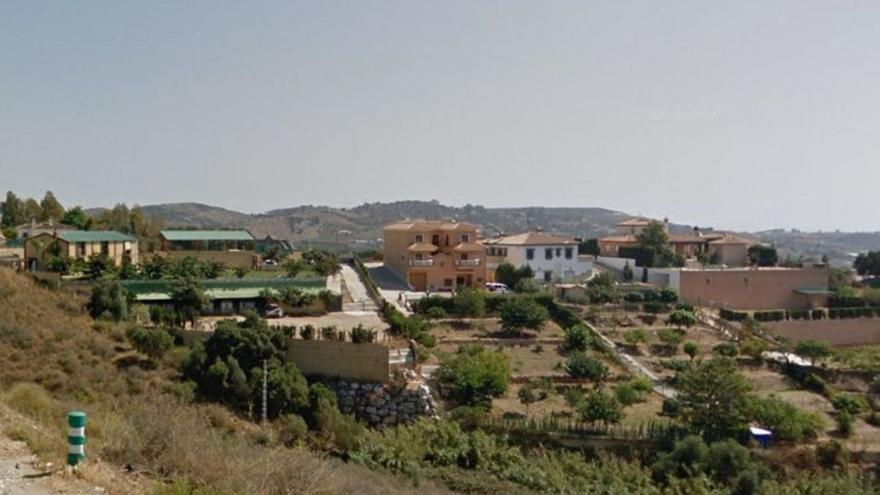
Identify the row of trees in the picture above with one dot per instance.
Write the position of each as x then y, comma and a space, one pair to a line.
868, 264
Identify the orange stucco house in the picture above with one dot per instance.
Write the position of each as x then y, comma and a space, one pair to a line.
435, 254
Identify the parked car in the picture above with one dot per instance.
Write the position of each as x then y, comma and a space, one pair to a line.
274, 311
270, 263
497, 287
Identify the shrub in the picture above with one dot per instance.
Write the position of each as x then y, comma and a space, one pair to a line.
648, 319
753, 348
774, 315
629, 393
787, 421
521, 312
635, 297
813, 350
470, 303
817, 314
691, 349
108, 296
844, 423
361, 335
670, 338
832, 454
731, 315
581, 365
153, 342
292, 429
435, 313
307, 332
671, 407
635, 336
654, 307
30, 399
682, 318
726, 349
577, 338
474, 375
599, 406
850, 403
668, 295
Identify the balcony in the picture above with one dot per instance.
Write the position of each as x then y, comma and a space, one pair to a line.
421, 262
474, 262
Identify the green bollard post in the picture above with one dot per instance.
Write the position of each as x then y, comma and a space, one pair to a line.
76, 438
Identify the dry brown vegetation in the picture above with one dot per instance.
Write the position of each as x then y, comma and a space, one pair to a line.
54, 358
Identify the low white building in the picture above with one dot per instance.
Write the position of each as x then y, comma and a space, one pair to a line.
553, 258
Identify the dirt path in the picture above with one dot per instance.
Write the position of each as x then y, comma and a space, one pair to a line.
22, 474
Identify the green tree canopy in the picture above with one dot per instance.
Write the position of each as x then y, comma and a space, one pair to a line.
51, 208
522, 312
714, 398
511, 276
12, 211
77, 217
474, 375
109, 297
814, 350
763, 255
868, 264
599, 406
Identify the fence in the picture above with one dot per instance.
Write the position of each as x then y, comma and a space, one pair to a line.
649, 431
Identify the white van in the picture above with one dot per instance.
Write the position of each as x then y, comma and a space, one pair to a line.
497, 287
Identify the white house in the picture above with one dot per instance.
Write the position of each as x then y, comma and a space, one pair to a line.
553, 258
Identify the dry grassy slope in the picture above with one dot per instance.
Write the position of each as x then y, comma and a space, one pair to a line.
46, 338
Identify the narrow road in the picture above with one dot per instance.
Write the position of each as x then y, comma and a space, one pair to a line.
360, 298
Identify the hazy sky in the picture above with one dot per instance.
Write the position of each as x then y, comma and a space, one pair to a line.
745, 115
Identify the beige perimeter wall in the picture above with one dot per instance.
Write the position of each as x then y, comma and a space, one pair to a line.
361, 362
855, 331
752, 289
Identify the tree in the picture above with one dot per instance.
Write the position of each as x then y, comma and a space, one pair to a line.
99, 265
813, 350
670, 338
189, 299
654, 240
12, 211
323, 262
714, 398
635, 336
293, 267
33, 212
691, 349
868, 264
763, 255
787, 421
754, 348
530, 393
109, 297
51, 208
522, 312
600, 406
228, 367
578, 338
581, 365
474, 375
511, 276
470, 303
78, 218
153, 342
682, 318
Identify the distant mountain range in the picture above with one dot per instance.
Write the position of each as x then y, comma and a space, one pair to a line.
361, 227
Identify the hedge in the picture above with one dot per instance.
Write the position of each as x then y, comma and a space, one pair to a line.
846, 302
773, 315
731, 315
798, 314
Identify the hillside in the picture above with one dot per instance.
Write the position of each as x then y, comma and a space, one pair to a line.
142, 426
360, 227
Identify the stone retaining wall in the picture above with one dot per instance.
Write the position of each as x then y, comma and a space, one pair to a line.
383, 405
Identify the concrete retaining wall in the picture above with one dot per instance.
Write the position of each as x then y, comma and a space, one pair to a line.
359, 362
855, 331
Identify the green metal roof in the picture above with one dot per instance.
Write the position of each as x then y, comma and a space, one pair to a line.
207, 235
160, 290
94, 236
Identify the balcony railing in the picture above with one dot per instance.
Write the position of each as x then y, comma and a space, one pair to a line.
474, 262
421, 262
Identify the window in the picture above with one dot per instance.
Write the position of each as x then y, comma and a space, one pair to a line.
419, 256
530, 254
105, 248
80, 250
465, 238
435, 240
558, 252
568, 253
447, 282
419, 238
548, 253
548, 276
464, 256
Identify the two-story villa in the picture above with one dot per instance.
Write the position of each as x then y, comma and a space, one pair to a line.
435, 254
553, 258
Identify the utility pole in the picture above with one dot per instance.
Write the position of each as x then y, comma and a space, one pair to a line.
265, 391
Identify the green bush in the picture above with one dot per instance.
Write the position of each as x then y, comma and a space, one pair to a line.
850, 403
727, 349
30, 399
436, 313
774, 315
154, 342
108, 296
635, 297
787, 421
682, 318
599, 406
362, 335
469, 303
474, 375
292, 429
654, 307
578, 338
832, 454
581, 365
731, 315
522, 312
